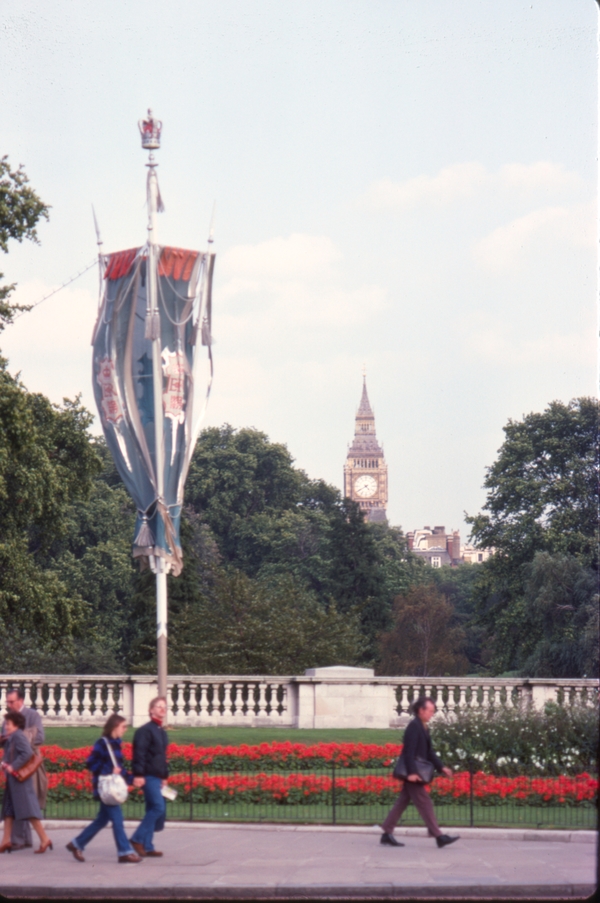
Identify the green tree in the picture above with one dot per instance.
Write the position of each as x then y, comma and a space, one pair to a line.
561, 610
543, 488
270, 520
46, 463
20, 211
542, 497
425, 638
263, 626
458, 585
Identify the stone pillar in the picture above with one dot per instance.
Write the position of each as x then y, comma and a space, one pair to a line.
127, 700
541, 693
144, 689
306, 705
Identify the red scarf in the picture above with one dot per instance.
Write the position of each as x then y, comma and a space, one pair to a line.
156, 720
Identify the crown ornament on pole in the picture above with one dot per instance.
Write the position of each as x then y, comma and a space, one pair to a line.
150, 130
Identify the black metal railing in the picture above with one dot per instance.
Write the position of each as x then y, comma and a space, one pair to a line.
335, 794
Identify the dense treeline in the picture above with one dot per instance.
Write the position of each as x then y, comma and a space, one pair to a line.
280, 572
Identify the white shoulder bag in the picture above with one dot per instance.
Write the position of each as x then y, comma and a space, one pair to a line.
112, 788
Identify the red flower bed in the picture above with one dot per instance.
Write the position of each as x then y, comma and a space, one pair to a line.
290, 789
275, 756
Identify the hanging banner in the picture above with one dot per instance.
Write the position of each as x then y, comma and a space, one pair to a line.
124, 386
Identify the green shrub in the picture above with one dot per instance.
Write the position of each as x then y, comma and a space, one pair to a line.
520, 740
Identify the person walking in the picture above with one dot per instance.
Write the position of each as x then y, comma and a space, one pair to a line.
151, 771
34, 731
417, 745
107, 758
20, 801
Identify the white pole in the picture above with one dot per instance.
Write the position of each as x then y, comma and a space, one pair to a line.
157, 375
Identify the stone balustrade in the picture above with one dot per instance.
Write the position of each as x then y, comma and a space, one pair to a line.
337, 697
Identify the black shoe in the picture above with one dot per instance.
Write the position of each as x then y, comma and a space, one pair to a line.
390, 841
444, 839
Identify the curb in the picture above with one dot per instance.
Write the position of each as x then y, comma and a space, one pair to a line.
311, 892
518, 834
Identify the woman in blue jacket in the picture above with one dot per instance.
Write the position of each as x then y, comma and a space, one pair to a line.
100, 762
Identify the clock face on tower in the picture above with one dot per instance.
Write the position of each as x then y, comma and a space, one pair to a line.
365, 486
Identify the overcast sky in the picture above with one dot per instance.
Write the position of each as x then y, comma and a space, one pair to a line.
409, 185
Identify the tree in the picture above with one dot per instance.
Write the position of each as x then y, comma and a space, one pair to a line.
269, 520
20, 211
543, 488
46, 463
264, 627
458, 584
542, 498
561, 608
425, 638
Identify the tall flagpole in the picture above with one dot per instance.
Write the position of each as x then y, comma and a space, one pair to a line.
153, 142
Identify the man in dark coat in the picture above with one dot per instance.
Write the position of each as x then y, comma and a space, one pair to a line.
151, 771
417, 745
34, 731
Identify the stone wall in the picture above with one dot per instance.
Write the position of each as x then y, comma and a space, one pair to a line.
336, 697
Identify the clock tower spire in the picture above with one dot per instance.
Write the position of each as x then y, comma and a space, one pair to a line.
365, 470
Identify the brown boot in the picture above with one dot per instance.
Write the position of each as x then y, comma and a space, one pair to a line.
131, 857
76, 852
138, 848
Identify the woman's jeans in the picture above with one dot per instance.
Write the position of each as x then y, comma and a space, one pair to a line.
106, 814
154, 819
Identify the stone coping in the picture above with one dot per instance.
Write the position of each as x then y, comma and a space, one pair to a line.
518, 834
266, 678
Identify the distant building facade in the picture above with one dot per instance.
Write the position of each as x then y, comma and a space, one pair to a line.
439, 548
365, 470
472, 555
435, 546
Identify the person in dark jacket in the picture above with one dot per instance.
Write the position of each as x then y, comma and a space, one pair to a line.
417, 744
151, 771
100, 762
20, 801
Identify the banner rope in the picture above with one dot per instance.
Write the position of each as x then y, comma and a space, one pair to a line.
29, 307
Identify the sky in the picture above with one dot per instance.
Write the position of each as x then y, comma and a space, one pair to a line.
409, 187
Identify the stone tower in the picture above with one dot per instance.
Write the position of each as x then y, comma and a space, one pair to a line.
365, 470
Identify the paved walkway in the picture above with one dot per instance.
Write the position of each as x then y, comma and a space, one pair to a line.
292, 862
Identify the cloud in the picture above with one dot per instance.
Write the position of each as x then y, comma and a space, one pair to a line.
291, 283
299, 257
507, 349
541, 231
50, 345
465, 181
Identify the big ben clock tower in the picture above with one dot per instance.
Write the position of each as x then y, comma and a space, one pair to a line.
365, 470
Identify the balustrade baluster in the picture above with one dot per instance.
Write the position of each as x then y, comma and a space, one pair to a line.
462, 698
451, 702
86, 703
485, 697
203, 702
27, 701
262, 700
120, 697
284, 701
62, 701
51, 703
195, 695
227, 701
